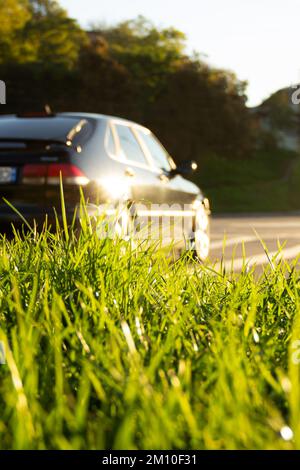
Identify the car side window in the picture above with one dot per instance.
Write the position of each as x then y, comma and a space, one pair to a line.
130, 147
157, 151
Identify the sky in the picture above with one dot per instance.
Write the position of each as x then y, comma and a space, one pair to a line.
256, 39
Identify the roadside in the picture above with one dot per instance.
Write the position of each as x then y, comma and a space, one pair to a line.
238, 239
268, 182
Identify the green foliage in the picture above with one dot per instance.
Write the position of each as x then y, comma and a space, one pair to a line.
261, 166
46, 8
56, 38
110, 347
202, 110
14, 16
280, 111
139, 38
147, 52
38, 31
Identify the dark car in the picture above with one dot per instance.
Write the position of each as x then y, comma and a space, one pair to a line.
112, 159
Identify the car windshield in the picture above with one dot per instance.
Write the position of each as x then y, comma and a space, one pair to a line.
157, 151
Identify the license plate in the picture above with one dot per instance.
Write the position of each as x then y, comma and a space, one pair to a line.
8, 174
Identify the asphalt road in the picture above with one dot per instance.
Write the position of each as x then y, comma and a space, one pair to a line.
234, 231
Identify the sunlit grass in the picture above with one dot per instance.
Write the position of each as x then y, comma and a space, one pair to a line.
113, 347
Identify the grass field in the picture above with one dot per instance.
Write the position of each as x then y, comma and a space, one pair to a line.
266, 182
107, 347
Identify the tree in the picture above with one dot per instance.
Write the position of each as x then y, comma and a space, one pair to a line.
56, 38
201, 111
139, 37
38, 31
14, 15
194, 108
105, 85
149, 54
43, 8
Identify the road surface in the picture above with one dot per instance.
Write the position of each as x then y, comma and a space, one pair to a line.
234, 231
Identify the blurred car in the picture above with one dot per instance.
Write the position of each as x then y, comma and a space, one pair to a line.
114, 160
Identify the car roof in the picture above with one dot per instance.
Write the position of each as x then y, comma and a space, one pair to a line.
102, 116
79, 114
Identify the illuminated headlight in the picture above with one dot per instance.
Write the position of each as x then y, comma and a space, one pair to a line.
206, 205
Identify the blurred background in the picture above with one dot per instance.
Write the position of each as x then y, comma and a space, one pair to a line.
84, 56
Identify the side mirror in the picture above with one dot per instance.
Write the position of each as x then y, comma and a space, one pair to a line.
185, 168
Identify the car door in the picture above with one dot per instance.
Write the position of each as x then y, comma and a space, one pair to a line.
138, 170
135, 165
176, 193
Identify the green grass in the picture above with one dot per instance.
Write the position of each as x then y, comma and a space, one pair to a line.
107, 347
268, 181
